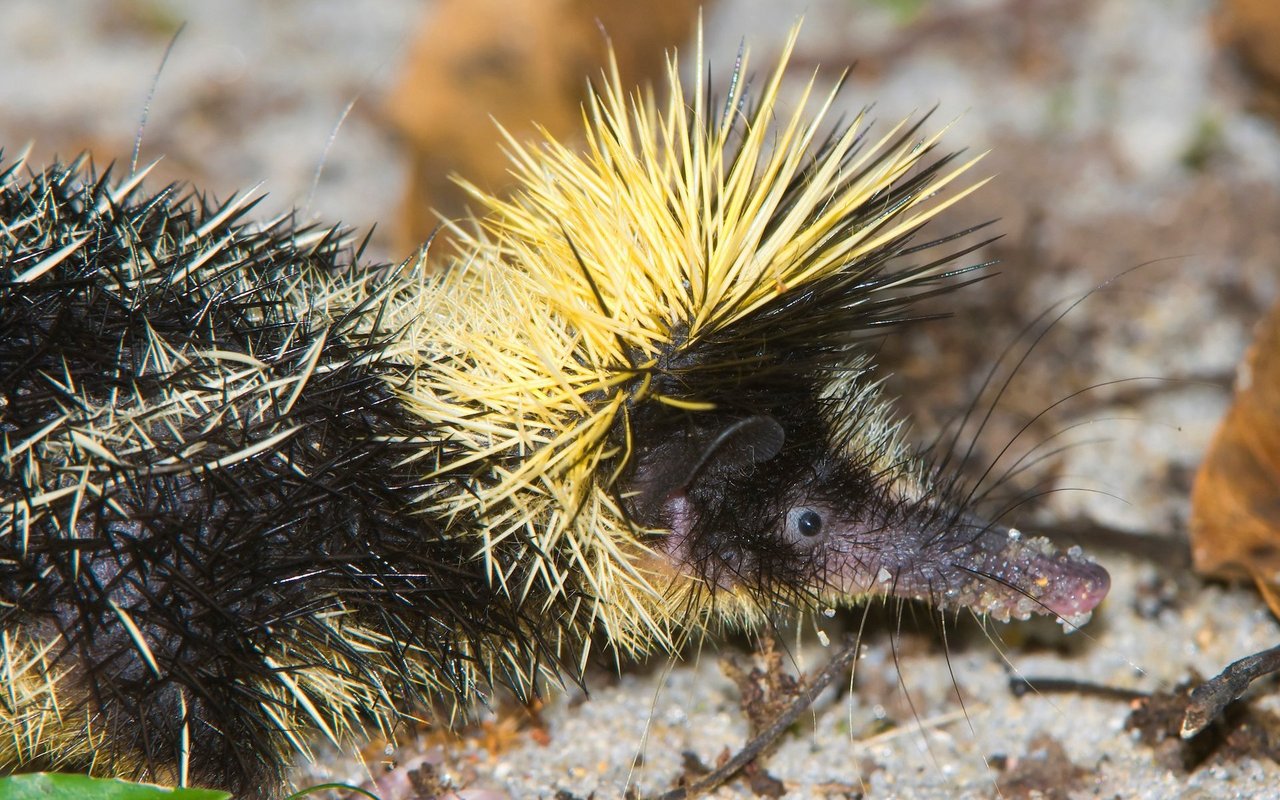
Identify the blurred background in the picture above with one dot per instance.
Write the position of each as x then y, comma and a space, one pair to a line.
1135, 150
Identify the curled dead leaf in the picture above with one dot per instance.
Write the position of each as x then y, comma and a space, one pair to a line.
1235, 503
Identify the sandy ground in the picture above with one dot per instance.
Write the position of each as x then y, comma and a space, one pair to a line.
1124, 154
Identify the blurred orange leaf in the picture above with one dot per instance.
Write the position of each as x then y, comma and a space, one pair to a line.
1235, 504
1252, 29
524, 64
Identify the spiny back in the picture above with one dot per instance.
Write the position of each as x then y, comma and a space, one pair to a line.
206, 542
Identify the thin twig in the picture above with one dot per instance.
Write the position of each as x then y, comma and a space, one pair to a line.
837, 666
1210, 698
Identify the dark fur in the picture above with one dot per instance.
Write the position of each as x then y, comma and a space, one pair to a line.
214, 565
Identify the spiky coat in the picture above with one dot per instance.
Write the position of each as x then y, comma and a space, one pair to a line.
252, 488
207, 539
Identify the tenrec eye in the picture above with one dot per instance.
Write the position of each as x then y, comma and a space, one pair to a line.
808, 522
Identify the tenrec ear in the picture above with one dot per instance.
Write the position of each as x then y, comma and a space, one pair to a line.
744, 443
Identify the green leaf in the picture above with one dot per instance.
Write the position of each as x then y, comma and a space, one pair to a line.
58, 786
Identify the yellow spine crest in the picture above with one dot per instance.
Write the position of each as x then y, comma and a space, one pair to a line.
672, 224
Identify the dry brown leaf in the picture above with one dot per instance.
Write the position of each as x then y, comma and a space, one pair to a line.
1235, 504
1252, 29
520, 63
